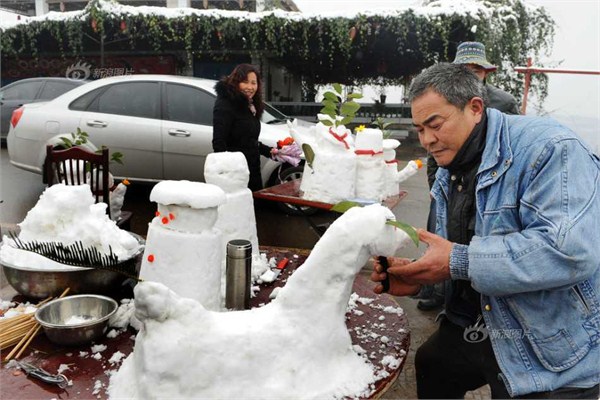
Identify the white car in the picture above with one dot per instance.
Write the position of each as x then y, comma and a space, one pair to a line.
162, 124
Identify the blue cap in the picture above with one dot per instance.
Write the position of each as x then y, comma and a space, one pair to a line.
473, 53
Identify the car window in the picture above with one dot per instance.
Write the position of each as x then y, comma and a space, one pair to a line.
272, 114
135, 99
82, 103
23, 91
55, 89
189, 104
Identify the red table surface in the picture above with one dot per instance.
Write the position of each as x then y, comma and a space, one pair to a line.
365, 330
289, 192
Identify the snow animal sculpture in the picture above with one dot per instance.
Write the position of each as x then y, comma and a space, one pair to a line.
333, 173
296, 347
302, 136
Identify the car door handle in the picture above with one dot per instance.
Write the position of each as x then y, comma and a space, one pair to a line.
97, 124
179, 132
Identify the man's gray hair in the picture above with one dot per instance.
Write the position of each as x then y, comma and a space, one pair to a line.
455, 82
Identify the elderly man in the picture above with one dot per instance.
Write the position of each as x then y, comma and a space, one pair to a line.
518, 205
472, 55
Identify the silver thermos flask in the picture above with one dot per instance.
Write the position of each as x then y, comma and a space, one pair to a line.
238, 273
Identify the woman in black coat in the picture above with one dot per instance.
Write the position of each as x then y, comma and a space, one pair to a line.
236, 119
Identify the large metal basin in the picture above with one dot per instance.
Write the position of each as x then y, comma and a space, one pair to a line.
92, 311
42, 283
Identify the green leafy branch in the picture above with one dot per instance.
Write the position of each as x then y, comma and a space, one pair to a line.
380, 124
334, 107
80, 138
344, 206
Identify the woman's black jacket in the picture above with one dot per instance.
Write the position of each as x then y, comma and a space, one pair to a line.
235, 128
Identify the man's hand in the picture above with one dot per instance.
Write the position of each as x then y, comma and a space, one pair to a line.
433, 267
398, 287
406, 277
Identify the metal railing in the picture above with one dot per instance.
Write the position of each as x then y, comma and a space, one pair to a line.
397, 114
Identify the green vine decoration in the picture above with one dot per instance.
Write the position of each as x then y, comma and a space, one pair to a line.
352, 50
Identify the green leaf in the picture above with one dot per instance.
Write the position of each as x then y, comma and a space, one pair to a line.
328, 110
349, 108
328, 103
67, 142
309, 154
329, 113
410, 231
337, 87
355, 96
344, 206
346, 120
327, 122
117, 157
331, 97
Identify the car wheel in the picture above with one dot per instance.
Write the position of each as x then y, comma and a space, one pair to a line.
285, 175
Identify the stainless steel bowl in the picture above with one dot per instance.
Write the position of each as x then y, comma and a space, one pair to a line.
42, 283
92, 312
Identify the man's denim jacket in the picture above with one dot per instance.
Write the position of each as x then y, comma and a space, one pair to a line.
535, 256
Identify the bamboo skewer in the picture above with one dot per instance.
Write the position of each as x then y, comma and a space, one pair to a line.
18, 326
23, 340
35, 332
30, 328
16, 323
7, 342
12, 320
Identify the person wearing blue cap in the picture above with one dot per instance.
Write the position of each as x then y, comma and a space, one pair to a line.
518, 204
471, 54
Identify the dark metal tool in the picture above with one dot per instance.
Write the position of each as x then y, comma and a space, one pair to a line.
384, 264
75, 254
43, 375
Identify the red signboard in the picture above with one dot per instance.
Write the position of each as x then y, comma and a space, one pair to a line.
88, 67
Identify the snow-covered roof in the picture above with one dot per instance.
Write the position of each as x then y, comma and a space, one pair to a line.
10, 17
432, 9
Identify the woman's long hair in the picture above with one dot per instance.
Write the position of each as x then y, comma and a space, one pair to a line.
240, 74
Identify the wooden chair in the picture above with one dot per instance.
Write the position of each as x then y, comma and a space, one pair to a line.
77, 166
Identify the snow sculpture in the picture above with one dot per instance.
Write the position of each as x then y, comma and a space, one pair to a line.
229, 171
183, 249
332, 176
296, 347
392, 187
370, 167
117, 197
68, 214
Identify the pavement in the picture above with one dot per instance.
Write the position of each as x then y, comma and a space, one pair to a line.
19, 191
